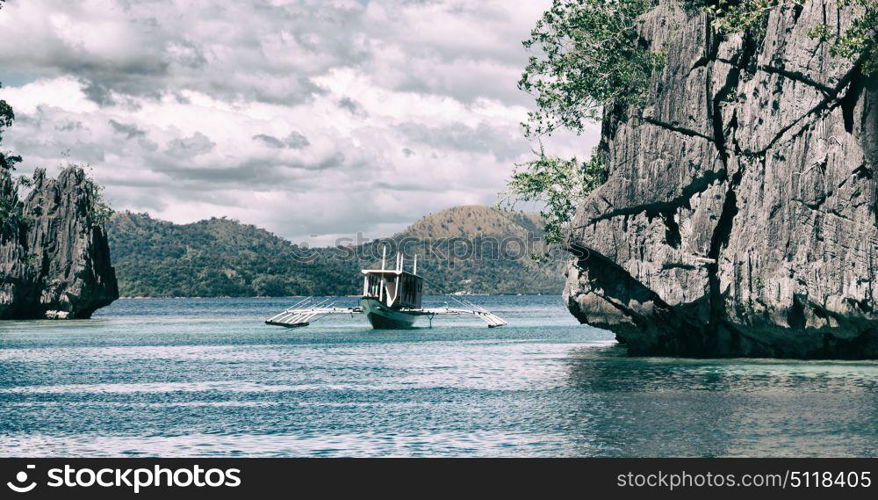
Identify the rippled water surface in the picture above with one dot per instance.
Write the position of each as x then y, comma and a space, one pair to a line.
205, 377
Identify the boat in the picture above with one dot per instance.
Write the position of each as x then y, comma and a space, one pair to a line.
391, 297
391, 300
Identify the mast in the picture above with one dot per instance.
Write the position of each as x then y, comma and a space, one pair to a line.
399, 261
383, 265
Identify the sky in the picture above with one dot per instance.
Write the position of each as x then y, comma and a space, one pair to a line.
316, 120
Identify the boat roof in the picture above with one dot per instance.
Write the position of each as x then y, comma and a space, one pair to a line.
393, 272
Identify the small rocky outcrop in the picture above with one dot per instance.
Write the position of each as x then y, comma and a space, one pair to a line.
740, 215
54, 256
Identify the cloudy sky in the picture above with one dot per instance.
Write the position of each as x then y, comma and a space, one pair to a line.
314, 119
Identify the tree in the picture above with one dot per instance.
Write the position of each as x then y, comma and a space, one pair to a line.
559, 184
7, 116
589, 58
10, 206
858, 43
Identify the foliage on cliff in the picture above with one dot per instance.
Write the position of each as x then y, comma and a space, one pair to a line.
53, 251
558, 183
10, 206
589, 56
591, 59
859, 42
7, 116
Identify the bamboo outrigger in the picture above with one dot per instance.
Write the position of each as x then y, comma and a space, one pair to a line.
391, 300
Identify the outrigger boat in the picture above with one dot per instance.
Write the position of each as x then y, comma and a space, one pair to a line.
391, 300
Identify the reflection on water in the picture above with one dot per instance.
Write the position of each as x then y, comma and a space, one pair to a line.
205, 377
729, 407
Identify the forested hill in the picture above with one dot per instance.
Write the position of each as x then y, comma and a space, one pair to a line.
472, 249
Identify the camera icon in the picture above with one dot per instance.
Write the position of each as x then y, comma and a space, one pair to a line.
21, 478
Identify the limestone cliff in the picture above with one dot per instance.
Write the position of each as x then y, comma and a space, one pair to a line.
54, 256
740, 216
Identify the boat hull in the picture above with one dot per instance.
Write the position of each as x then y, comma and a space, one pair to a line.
382, 317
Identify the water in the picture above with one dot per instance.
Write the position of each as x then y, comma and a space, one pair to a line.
205, 377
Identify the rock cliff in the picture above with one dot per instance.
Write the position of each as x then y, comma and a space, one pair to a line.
54, 256
740, 215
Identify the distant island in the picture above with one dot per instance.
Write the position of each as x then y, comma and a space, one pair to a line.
472, 249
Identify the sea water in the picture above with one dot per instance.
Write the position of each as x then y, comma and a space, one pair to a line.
206, 377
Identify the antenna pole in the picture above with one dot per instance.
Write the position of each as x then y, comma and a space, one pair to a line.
383, 279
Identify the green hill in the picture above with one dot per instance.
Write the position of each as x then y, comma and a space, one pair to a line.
471, 220
480, 249
473, 249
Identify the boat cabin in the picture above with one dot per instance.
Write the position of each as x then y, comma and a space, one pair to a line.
395, 288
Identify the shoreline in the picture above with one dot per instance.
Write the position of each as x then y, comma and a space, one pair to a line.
344, 296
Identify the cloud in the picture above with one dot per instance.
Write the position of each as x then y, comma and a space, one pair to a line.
270, 141
504, 143
190, 147
351, 106
305, 117
129, 131
294, 141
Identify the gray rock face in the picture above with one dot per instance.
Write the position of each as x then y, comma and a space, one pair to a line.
55, 259
740, 217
